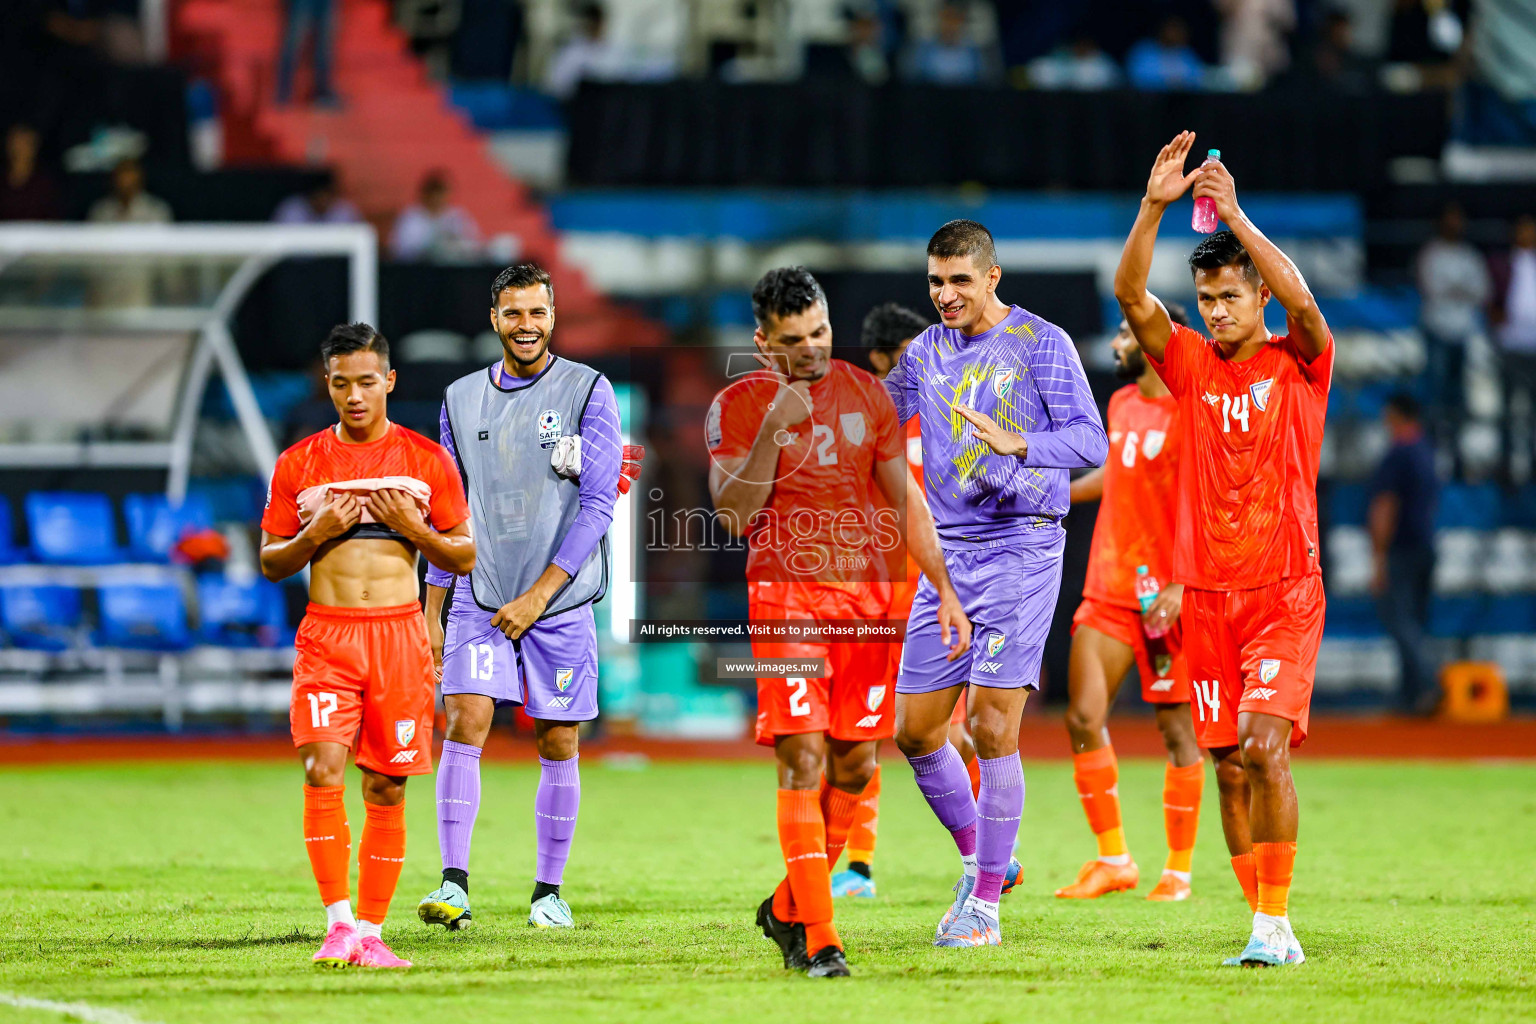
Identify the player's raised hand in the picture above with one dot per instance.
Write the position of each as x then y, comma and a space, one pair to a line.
1214, 180
986, 430
336, 516
397, 510
791, 404
952, 616
1164, 611
1168, 180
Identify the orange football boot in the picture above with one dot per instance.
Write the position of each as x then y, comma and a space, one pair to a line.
1097, 878
1169, 889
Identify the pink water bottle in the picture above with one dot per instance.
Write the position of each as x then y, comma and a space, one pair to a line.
1204, 220
1147, 589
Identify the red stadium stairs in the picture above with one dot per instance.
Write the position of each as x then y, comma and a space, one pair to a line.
394, 125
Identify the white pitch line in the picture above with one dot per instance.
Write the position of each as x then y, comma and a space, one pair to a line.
79, 1011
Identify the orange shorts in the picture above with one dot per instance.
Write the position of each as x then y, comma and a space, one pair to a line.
857, 699
1253, 650
1164, 683
363, 677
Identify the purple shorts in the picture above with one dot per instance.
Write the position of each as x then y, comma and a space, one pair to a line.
1009, 594
551, 670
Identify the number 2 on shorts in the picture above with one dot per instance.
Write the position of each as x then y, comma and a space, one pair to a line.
798, 705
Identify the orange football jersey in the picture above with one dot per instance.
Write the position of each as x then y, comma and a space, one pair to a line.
1136, 515
1252, 436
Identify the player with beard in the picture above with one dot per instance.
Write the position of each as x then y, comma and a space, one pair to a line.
1137, 489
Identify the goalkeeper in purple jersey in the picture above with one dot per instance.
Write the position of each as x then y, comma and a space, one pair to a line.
1006, 411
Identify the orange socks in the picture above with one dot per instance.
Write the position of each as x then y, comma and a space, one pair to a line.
1273, 863
1181, 813
381, 854
1247, 877
328, 841
803, 840
866, 822
838, 811
1097, 775
973, 768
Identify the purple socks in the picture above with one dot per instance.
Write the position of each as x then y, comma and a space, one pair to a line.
946, 786
458, 801
998, 810
554, 811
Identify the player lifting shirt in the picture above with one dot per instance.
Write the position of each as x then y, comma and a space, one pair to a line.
356, 502
1252, 406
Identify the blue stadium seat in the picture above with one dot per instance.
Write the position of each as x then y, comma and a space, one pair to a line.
241, 614
1351, 618
144, 616
1457, 616
155, 525
9, 552
70, 528
1469, 507
1511, 613
40, 617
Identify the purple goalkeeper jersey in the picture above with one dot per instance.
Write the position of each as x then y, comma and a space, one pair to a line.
602, 450
1027, 376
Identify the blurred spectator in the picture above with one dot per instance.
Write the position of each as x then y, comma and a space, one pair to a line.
588, 55
1453, 289
316, 21
1513, 277
951, 57
1253, 38
1166, 62
1082, 66
27, 191
128, 203
322, 204
1335, 62
1401, 515
1423, 40
433, 229
866, 47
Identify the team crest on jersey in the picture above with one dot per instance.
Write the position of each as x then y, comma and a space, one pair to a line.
995, 643
875, 697
1260, 393
563, 678
405, 731
1002, 381
549, 428
853, 427
1152, 444
712, 431
1268, 669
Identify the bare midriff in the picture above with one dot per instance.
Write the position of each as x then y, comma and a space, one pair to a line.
364, 573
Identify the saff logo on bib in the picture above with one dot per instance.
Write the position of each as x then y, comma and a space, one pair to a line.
1002, 381
549, 428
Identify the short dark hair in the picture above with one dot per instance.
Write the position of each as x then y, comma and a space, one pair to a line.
1405, 405
964, 238
1223, 250
1177, 313
888, 325
521, 275
785, 291
345, 339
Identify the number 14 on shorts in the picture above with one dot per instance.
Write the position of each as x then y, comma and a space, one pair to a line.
1207, 694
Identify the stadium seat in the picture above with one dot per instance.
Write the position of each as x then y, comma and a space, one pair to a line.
240, 614
155, 525
70, 528
40, 617
143, 616
9, 552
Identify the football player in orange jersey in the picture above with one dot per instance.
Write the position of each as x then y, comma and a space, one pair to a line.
1132, 540
797, 449
1251, 407
887, 330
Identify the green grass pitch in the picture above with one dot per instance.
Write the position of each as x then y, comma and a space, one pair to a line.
180, 893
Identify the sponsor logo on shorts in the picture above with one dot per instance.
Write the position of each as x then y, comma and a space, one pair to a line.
563, 678
989, 667
868, 722
995, 643
549, 428
853, 427
405, 731
1260, 693
875, 698
1260, 392
1268, 669
1002, 380
559, 702
1161, 686
404, 757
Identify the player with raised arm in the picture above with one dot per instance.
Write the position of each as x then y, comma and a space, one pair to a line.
887, 330
537, 438
1006, 412
798, 449
1251, 406
356, 502
1133, 542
